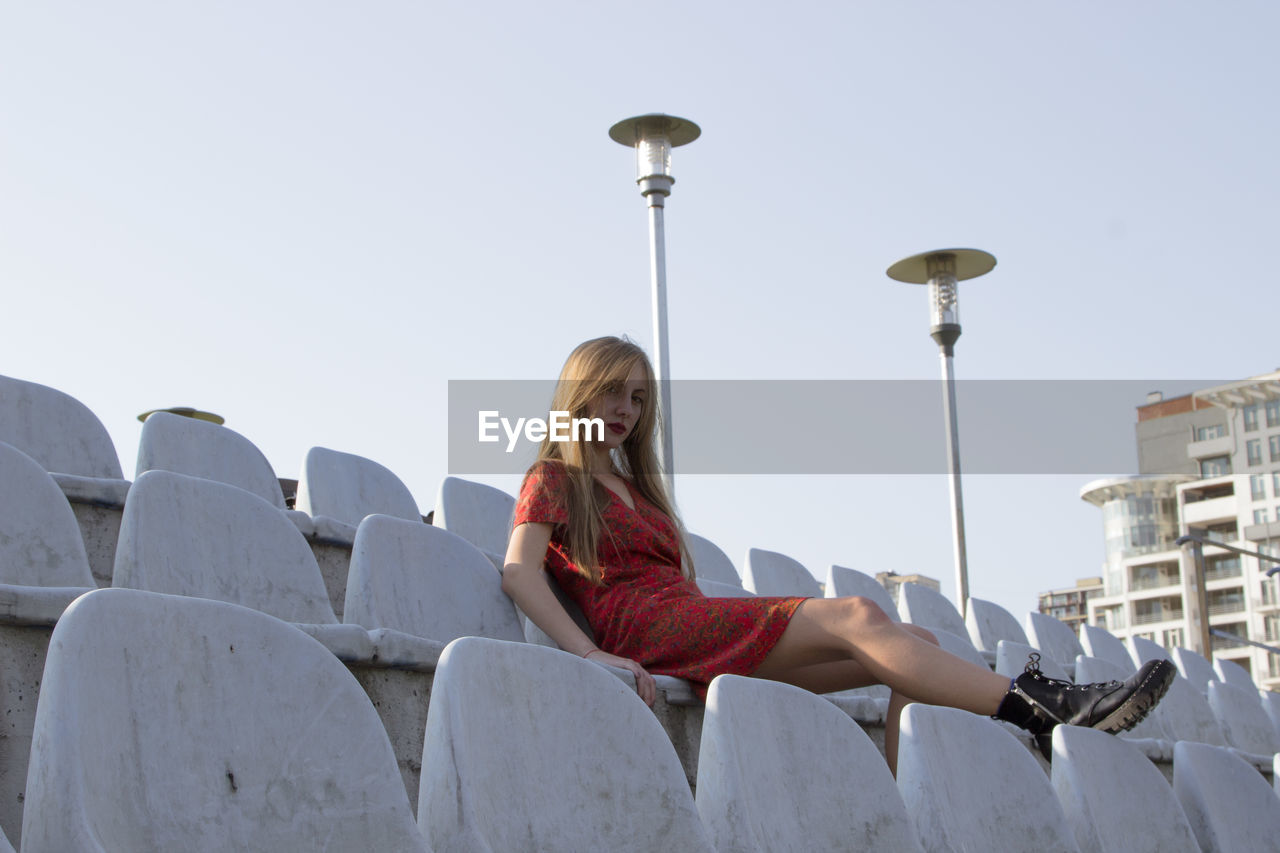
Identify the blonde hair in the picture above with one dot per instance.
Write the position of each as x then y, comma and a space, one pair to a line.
593, 369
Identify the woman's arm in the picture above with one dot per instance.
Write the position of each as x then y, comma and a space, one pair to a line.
524, 580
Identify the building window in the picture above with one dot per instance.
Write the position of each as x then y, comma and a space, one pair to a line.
1226, 601
1217, 643
1250, 418
1222, 566
1273, 413
1173, 637
1111, 618
1274, 444
1205, 433
1271, 627
1275, 484
1258, 486
1259, 516
1153, 576
1216, 466
1253, 450
1166, 609
1222, 532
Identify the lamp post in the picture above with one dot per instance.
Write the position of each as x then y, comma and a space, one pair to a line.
941, 270
653, 136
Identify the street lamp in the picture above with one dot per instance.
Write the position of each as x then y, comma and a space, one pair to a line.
653, 136
941, 270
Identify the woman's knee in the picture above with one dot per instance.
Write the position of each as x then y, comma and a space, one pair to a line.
861, 613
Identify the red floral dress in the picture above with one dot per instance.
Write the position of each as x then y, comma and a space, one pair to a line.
645, 610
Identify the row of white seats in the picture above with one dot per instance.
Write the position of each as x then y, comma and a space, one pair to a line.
335, 489
278, 574
70, 442
169, 723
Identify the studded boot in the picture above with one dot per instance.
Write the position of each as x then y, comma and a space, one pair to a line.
1037, 703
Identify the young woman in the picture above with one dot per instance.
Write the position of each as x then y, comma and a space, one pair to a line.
595, 514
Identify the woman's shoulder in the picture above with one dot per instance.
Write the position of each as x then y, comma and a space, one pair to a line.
543, 494
546, 471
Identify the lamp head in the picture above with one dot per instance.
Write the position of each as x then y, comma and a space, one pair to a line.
653, 136
942, 270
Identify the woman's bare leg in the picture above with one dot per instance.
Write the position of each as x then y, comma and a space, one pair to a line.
828, 630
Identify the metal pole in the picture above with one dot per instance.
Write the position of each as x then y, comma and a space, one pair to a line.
653, 136
945, 352
941, 270
661, 357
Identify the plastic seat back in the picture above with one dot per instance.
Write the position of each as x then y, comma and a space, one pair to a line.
187, 536
478, 513
926, 607
1053, 637
425, 581
56, 430
1185, 714
970, 785
1143, 651
1234, 674
1101, 643
174, 723
771, 573
989, 623
1194, 668
1012, 659
1245, 724
710, 562
529, 748
716, 589
207, 450
843, 582
1114, 797
40, 540
1228, 803
348, 487
839, 794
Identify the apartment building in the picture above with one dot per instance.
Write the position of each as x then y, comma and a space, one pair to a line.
1209, 463
1071, 605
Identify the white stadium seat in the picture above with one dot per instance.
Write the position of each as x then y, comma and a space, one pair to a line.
532, 749
174, 723
838, 792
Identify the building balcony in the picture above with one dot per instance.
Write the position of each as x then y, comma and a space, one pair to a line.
1222, 445
1148, 583
1201, 513
1160, 616
1226, 607
1223, 574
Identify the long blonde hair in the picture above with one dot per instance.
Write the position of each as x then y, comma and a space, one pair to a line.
593, 369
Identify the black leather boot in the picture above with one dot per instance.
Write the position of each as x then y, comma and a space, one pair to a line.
1038, 703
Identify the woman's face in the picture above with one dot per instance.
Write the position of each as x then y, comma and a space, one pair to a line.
621, 406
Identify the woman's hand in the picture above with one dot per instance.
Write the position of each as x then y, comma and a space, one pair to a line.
646, 687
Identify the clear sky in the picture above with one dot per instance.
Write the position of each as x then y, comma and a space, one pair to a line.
309, 216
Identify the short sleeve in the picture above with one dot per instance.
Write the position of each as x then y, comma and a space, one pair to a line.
542, 496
